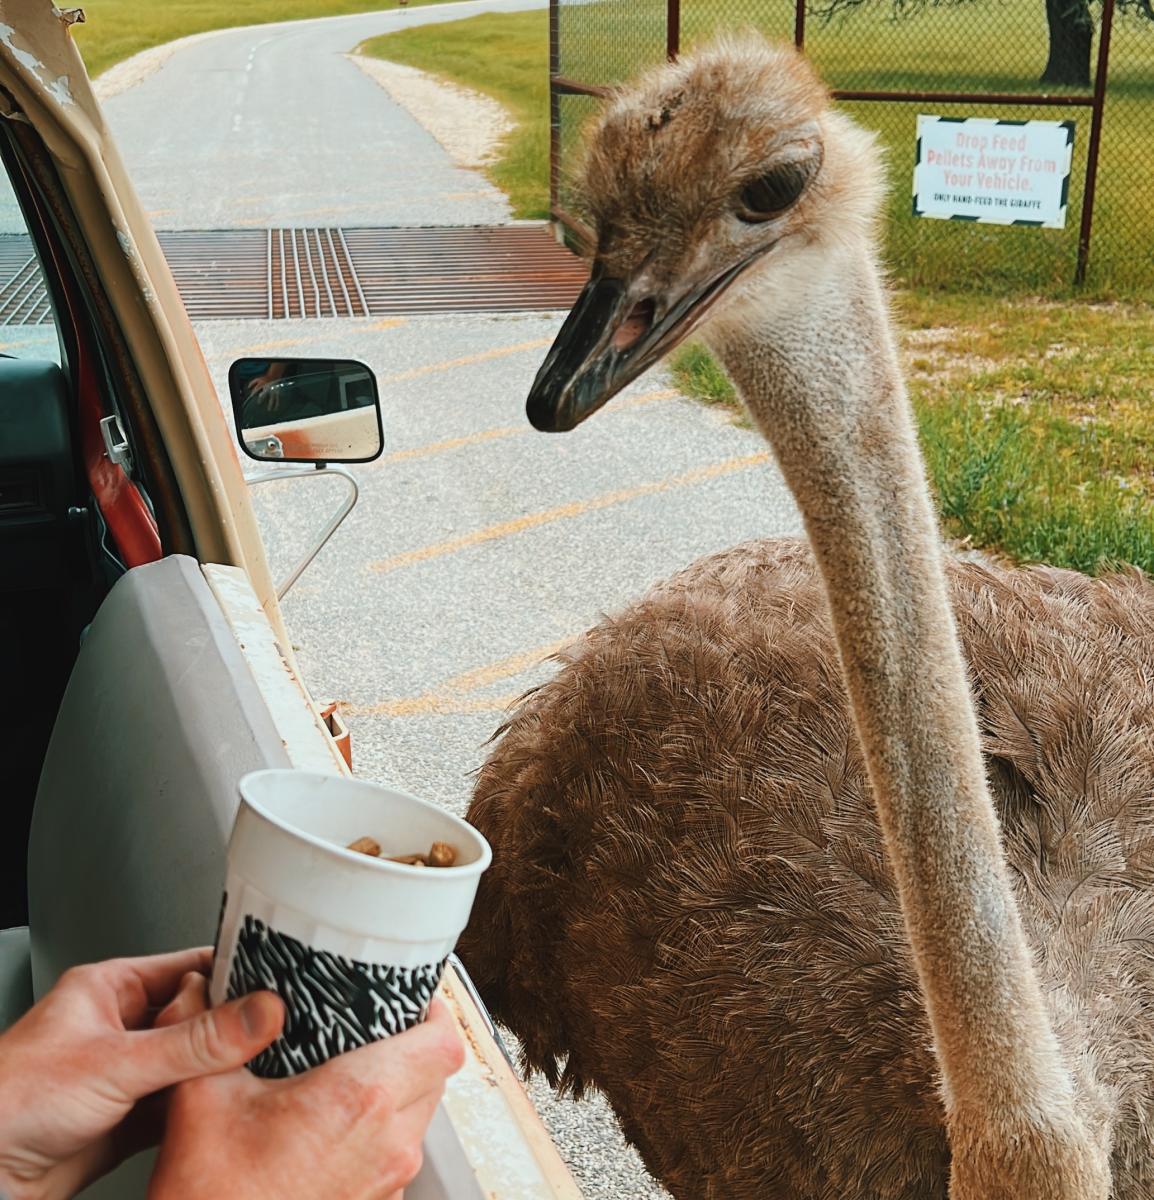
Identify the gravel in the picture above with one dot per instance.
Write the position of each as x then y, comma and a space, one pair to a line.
468, 125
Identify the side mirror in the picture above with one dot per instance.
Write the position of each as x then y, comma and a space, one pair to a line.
306, 410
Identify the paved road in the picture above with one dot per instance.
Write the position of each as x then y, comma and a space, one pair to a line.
479, 545
273, 125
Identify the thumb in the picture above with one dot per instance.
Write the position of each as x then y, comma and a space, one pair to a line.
206, 1043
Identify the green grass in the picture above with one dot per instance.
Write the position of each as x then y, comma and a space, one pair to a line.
697, 373
1034, 420
1039, 487
504, 56
117, 29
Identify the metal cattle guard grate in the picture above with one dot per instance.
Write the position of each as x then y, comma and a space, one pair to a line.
23, 300
274, 274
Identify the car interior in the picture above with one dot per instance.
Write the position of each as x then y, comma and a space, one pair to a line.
55, 564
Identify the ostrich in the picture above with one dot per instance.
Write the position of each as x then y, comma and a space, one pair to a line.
802, 963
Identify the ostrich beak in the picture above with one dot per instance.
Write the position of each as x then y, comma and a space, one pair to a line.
616, 330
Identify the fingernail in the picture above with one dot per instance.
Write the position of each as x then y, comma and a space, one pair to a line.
261, 1014
254, 1016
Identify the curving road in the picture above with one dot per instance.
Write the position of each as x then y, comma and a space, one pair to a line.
273, 125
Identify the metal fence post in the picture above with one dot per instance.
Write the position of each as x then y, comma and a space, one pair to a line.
554, 105
1095, 141
672, 29
799, 24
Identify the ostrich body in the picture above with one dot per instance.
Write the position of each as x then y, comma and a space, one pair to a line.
749, 876
690, 897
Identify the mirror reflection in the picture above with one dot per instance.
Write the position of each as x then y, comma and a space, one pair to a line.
306, 409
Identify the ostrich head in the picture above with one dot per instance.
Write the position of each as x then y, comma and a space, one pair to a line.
710, 181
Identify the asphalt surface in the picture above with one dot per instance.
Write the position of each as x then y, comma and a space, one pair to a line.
478, 545
272, 125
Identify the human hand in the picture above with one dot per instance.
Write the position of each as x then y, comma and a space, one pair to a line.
263, 388
74, 1067
262, 391
348, 1130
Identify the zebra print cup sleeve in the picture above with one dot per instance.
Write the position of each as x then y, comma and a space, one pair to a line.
354, 946
332, 1004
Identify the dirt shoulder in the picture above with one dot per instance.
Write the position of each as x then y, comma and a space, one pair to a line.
468, 125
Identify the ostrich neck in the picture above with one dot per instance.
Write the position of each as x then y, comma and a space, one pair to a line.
820, 376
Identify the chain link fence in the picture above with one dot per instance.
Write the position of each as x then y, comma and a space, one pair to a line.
1038, 59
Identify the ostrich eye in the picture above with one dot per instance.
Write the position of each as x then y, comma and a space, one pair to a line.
773, 192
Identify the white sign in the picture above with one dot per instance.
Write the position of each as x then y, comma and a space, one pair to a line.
1000, 172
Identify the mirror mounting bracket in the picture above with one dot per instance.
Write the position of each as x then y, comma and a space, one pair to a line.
311, 471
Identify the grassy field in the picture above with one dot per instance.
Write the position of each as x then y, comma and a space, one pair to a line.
506, 56
979, 46
117, 29
1035, 422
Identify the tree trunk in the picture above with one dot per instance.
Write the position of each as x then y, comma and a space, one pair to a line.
1071, 42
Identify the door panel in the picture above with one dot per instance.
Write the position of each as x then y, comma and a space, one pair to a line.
160, 718
15, 975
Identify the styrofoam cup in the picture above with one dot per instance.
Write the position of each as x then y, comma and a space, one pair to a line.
353, 945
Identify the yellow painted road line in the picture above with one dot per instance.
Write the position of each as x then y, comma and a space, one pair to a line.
639, 401
479, 677
504, 431
468, 439
576, 508
454, 694
433, 706
278, 344
468, 360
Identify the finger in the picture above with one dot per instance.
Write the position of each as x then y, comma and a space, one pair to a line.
208, 1043
190, 999
407, 1065
139, 984
160, 974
